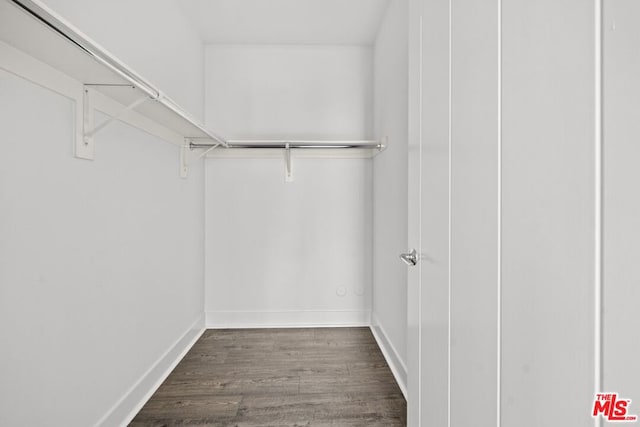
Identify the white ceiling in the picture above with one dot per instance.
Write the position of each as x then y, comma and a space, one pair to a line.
286, 21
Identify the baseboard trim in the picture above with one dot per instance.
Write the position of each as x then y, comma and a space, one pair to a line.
398, 368
134, 399
286, 319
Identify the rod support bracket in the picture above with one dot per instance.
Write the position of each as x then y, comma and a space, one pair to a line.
184, 158
288, 172
384, 143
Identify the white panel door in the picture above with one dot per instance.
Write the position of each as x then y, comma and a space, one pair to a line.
428, 290
621, 198
474, 212
548, 206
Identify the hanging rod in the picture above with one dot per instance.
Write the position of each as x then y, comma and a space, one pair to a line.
283, 144
43, 14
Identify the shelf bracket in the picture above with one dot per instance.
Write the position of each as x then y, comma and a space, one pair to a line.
207, 151
85, 149
288, 177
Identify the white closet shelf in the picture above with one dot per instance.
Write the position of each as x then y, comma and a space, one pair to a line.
31, 27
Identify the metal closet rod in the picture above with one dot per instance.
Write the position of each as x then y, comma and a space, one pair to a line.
64, 29
283, 144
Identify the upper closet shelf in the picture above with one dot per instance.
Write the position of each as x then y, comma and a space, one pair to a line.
40, 46
31, 27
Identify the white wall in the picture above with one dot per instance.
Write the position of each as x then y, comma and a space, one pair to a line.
548, 211
152, 37
100, 261
389, 316
288, 253
621, 201
285, 253
289, 91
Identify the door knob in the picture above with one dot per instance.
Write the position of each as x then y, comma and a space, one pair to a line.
410, 258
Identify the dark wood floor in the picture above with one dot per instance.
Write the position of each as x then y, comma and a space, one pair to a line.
279, 377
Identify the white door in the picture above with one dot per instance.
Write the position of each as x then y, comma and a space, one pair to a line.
429, 145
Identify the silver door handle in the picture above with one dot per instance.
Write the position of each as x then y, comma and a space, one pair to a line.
410, 258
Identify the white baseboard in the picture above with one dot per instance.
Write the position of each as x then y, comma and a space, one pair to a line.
286, 319
398, 368
134, 399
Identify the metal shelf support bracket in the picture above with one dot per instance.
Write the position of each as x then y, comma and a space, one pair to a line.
85, 149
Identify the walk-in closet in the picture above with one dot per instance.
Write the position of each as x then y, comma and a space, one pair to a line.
343, 213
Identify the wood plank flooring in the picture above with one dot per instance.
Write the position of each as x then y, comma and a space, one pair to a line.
279, 377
